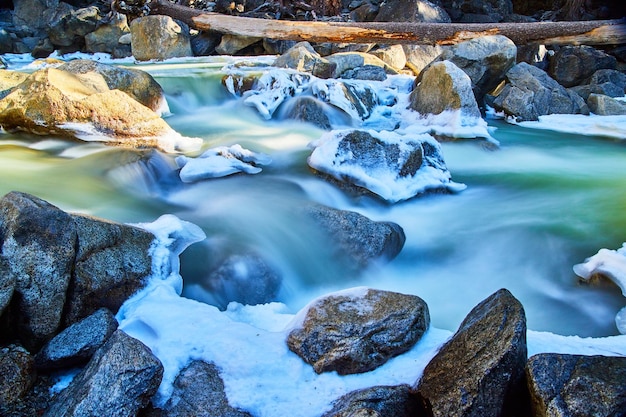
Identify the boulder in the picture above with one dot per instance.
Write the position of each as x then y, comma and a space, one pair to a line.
38, 251
480, 370
357, 100
159, 37
76, 344
359, 240
392, 55
379, 401
431, 12
302, 57
366, 72
306, 109
7, 285
106, 37
386, 164
118, 381
444, 87
349, 60
198, 391
571, 65
603, 105
138, 84
419, 56
576, 385
113, 261
357, 330
16, 374
53, 101
68, 26
34, 14
478, 11
485, 60
529, 92
231, 44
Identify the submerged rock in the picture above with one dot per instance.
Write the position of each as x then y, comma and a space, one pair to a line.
392, 166
576, 385
199, 392
118, 381
380, 401
358, 330
480, 370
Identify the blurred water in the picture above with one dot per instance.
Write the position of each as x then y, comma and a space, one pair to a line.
534, 207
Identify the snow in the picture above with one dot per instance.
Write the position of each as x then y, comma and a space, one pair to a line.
613, 127
612, 265
248, 343
220, 162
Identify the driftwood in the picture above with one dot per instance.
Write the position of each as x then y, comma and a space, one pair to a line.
596, 32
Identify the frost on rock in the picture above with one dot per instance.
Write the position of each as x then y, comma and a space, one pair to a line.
390, 165
273, 88
612, 265
220, 162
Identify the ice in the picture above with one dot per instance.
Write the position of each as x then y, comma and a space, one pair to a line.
593, 125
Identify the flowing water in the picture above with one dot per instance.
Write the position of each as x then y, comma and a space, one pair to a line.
535, 206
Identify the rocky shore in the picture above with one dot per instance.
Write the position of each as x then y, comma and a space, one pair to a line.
65, 276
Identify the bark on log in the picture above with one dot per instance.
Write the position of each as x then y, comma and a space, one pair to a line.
595, 32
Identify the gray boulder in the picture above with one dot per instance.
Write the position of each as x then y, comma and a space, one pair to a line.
306, 109
112, 263
38, 250
576, 385
7, 285
33, 14
68, 26
75, 345
571, 65
357, 100
199, 392
118, 381
478, 11
411, 11
366, 72
603, 105
359, 240
159, 37
302, 57
480, 370
419, 57
529, 92
485, 60
443, 86
380, 401
16, 374
106, 37
357, 331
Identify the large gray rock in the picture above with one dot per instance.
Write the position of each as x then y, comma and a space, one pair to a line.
75, 345
306, 109
357, 100
359, 240
380, 401
603, 105
478, 11
119, 380
302, 57
444, 86
106, 37
38, 250
357, 331
392, 55
199, 392
480, 370
485, 60
33, 14
576, 385
69, 26
530, 92
571, 65
159, 37
411, 11
419, 57
16, 374
7, 285
112, 262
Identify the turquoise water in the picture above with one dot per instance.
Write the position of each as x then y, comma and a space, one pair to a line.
536, 205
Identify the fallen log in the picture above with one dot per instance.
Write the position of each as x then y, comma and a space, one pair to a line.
594, 32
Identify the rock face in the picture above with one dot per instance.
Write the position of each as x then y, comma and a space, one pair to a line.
358, 330
65, 266
530, 92
571, 65
75, 345
16, 374
576, 385
392, 166
119, 380
159, 37
480, 370
444, 86
38, 249
360, 240
199, 392
485, 60
53, 101
112, 262
381, 401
